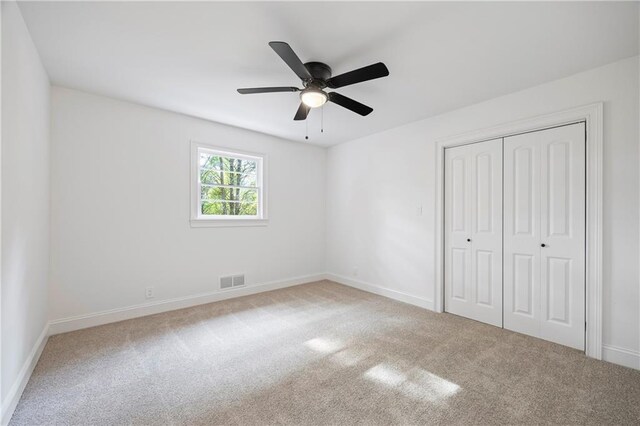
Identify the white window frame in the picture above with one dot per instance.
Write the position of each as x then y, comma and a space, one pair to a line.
200, 220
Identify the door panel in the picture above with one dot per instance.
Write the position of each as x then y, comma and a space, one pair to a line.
544, 235
484, 201
483, 278
459, 275
458, 212
558, 188
562, 211
473, 231
523, 190
558, 286
521, 234
523, 278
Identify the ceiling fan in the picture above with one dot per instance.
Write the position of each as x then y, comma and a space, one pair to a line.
316, 76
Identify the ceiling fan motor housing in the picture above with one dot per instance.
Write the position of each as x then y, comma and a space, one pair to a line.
319, 71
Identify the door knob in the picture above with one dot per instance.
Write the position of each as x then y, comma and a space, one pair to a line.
468, 240
543, 245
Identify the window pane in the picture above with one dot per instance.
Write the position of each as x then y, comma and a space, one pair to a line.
216, 193
227, 178
229, 185
227, 164
227, 208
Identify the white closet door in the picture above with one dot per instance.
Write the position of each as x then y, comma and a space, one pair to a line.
473, 231
522, 234
544, 234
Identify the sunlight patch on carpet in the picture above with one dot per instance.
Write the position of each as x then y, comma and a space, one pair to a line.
348, 357
324, 345
420, 385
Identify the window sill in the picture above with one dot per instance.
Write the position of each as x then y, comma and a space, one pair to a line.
227, 223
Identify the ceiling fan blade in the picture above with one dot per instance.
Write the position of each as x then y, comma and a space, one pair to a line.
357, 76
350, 104
302, 112
267, 90
289, 56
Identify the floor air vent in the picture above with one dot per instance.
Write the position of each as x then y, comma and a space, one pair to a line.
231, 281
238, 280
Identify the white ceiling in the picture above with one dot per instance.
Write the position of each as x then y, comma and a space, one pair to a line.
191, 57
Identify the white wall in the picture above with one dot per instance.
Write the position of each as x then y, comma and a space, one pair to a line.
377, 183
25, 199
120, 207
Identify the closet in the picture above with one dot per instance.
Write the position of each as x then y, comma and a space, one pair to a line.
514, 226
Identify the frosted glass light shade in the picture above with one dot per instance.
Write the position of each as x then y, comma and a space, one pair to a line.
313, 98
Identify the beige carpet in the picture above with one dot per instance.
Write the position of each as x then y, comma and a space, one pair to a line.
319, 353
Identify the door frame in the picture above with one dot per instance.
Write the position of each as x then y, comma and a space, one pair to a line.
592, 116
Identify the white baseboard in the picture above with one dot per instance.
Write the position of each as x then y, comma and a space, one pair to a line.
382, 291
64, 325
621, 356
11, 401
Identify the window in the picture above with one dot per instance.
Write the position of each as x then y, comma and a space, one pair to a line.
228, 187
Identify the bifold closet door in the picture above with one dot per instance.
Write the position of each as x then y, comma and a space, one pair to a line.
544, 234
473, 231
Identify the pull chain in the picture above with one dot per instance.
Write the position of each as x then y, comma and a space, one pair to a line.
306, 132
322, 120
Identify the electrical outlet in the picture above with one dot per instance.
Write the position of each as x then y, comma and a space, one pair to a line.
149, 293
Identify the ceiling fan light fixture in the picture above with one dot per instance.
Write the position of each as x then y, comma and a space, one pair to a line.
313, 98
316, 76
